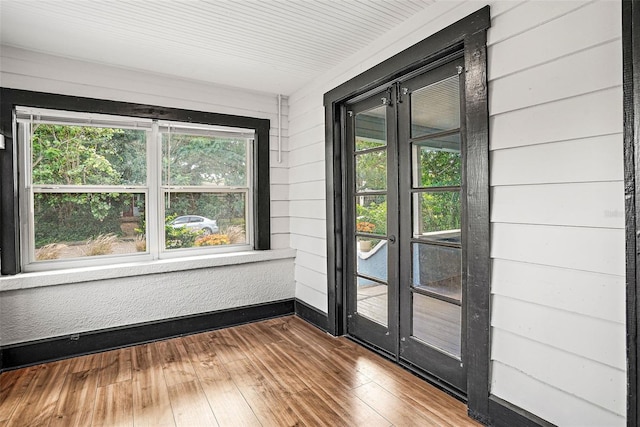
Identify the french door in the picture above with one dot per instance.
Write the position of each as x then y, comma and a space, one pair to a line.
405, 216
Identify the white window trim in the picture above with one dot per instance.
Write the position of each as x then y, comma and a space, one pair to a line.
154, 190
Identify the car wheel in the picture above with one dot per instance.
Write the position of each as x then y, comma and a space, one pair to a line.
206, 231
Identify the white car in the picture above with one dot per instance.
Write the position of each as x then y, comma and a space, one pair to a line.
195, 222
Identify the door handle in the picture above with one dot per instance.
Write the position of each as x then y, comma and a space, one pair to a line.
392, 239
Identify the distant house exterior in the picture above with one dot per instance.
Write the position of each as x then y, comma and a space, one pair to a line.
557, 206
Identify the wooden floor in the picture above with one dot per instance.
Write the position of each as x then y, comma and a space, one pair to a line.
280, 372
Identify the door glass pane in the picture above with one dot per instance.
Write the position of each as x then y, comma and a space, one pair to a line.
372, 261
437, 162
371, 171
436, 108
436, 216
371, 214
437, 323
438, 269
371, 128
372, 258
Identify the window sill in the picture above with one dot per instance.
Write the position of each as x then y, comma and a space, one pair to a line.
89, 274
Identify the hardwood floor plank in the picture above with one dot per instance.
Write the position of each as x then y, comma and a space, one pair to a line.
190, 406
85, 363
39, 402
224, 346
391, 407
77, 399
268, 404
114, 405
176, 363
151, 404
227, 402
115, 366
13, 386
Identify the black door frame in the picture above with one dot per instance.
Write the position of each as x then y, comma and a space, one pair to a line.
631, 100
469, 37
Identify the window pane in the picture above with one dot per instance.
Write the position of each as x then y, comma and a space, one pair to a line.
437, 216
72, 225
204, 219
371, 171
438, 269
84, 155
204, 160
436, 108
371, 214
371, 128
437, 323
437, 163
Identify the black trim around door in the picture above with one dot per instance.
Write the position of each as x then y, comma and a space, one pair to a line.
469, 37
631, 100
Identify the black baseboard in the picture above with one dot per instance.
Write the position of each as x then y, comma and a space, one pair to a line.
312, 315
505, 414
47, 350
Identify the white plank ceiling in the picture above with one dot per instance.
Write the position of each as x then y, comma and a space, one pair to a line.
274, 46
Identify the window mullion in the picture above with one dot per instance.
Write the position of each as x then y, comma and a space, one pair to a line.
154, 209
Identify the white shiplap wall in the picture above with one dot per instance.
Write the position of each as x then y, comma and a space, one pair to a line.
557, 211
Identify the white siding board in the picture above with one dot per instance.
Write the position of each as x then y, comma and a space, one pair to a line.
279, 192
309, 227
571, 373
305, 119
280, 225
312, 262
314, 190
307, 154
599, 67
584, 336
591, 294
599, 250
549, 403
312, 245
280, 241
586, 27
580, 160
312, 297
594, 204
597, 113
278, 175
279, 208
311, 278
316, 209
308, 172
526, 17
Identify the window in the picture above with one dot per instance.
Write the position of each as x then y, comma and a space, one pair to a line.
99, 188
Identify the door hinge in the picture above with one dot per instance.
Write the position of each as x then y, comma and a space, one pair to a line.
402, 91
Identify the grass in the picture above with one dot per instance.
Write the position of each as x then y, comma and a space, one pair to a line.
50, 251
101, 245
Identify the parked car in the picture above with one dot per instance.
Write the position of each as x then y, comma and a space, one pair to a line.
195, 222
